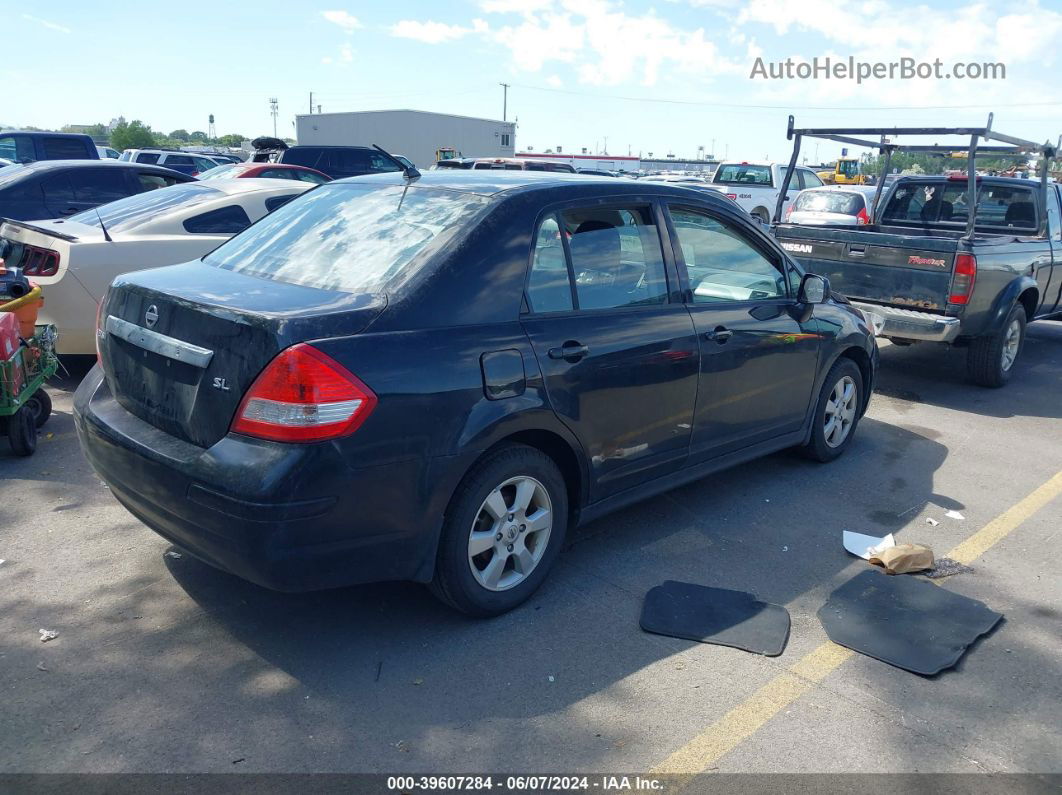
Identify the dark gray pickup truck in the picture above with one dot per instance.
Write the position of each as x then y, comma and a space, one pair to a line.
919, 275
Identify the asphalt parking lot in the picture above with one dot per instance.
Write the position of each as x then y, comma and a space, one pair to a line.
163, 664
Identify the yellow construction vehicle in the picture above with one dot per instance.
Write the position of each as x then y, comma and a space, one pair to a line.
846, 171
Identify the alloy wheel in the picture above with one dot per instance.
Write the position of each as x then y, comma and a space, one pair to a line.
510, 533
1011, 344
840, 412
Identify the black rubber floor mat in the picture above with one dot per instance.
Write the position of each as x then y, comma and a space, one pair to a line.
905, 621
715, 615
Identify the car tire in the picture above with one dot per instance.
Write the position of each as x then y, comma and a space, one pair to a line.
478, 572
22, 432
840, 402
40, 405
990, 360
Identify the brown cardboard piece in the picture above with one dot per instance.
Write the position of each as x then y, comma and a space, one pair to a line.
904, 558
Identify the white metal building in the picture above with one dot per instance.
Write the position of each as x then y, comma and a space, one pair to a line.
414, 133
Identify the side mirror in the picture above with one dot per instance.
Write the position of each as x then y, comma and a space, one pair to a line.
813, 289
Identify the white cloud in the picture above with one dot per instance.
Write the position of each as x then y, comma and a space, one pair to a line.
605, 44
434, 32
327, 60
554, 81
343, 19
346, 54
50, 25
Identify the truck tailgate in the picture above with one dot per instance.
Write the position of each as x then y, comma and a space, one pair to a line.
875, 266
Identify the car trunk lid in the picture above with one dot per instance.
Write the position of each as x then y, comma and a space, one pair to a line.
181, 345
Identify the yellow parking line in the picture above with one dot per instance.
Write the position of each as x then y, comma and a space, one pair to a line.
745, 719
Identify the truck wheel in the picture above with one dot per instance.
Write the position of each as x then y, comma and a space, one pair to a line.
990, 360
502, 532
836, 412
22, 432
40, 404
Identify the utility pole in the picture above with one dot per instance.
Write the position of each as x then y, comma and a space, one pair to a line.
311, 102
274, 108
505, 100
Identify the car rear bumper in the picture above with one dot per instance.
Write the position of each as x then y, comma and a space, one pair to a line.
890, 321
285, 516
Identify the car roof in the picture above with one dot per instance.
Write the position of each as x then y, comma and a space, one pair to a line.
250, 164
494, 182
53, 165
233, 187
864, 189
43, 133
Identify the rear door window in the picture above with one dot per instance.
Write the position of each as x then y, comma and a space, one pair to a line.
151, 181
99, 185
222, 221
616, 257
147, 157
58, 189
549, 285
63, 148
809, 179
304, 156
178, 160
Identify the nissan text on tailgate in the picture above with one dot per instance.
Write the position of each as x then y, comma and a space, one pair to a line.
921, 278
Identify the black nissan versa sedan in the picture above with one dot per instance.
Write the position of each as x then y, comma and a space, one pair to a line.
433, 379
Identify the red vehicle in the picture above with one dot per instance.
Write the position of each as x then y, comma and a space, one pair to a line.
267, 171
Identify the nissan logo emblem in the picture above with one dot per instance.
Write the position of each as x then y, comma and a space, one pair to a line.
151, 317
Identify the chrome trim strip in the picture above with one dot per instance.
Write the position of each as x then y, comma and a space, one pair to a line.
159, 343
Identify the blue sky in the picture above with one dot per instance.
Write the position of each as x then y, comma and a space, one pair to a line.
659, 77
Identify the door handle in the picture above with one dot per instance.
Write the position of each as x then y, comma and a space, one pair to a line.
719, 334
68, 211
569, 351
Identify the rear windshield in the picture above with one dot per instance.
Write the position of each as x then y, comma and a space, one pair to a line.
743, 174
829, 201
945, 203
350, 237
130, 213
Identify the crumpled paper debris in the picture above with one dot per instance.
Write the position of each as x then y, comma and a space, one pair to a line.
904, 558
863, 546
48, 634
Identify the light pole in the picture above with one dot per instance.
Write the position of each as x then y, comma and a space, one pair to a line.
274, 108
505, 100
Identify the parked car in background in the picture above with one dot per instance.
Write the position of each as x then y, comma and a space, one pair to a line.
185, 162
328, 399
74, 260
23, 146
335, 161
58, 188
454, 162
596, 172
266, 171
755, 185
918, 271
520, 164
106, 152
840, 205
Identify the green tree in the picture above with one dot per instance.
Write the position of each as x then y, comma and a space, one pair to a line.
180, 135
198, 135
132, 135
232, 139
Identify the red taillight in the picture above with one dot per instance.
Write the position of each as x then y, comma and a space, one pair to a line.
862, 217
39, 261
962, 178
303, 395
788, 212
962, 283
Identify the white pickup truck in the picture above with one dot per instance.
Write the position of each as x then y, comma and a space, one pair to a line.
754, 185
